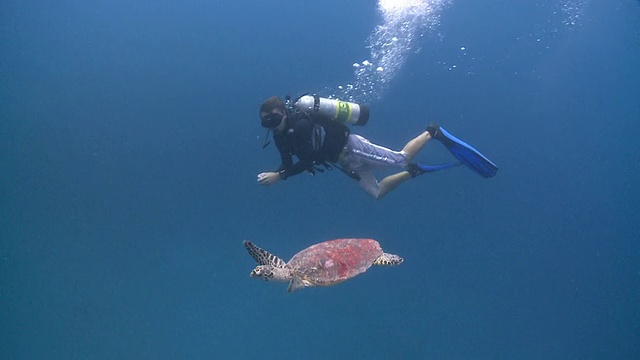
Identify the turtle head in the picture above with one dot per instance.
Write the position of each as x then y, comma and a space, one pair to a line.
271, 273
264, 272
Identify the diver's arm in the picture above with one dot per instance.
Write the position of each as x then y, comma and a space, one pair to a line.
268, 178
272, 177
287, 168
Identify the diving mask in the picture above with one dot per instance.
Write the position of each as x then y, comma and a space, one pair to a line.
272, 120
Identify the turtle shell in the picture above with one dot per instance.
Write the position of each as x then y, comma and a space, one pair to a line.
334, 261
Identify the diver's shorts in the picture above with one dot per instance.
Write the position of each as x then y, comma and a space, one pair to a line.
367, 152
362, 157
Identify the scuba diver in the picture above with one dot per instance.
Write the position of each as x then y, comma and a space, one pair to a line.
313, 129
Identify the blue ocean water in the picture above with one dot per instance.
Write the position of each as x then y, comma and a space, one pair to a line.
130, 145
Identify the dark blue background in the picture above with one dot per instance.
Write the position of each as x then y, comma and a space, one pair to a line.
130, 144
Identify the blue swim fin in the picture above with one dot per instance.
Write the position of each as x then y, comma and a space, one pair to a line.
418, 169
464, 152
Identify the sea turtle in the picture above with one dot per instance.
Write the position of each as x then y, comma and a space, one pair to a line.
323, 264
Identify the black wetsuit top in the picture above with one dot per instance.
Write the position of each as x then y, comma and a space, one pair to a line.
312, 141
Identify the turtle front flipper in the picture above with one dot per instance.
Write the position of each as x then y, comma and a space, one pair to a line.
388, 260
298, 283
263, 257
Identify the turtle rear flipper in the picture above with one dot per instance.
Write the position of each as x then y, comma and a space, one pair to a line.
263, 257
388, 260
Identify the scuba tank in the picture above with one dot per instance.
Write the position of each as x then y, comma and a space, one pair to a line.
345, 112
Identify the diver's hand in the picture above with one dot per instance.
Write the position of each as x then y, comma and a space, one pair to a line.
268, 178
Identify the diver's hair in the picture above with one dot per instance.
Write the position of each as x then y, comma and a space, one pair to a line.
271, 104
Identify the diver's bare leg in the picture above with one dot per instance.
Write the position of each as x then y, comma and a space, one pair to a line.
392, 181
415, 144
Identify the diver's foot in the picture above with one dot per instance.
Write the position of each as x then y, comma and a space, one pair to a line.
414, 170
434, 130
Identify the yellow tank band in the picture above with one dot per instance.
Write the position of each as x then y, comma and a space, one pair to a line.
343, 112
